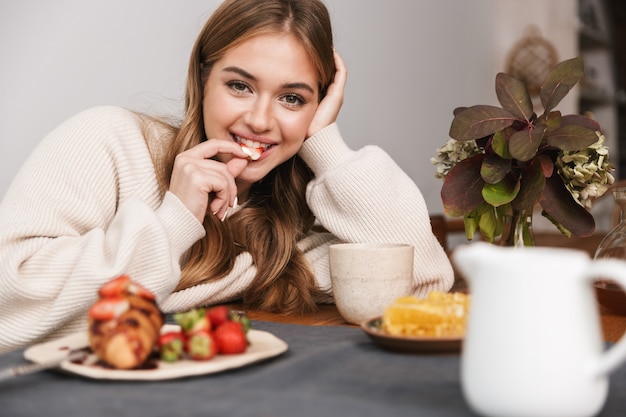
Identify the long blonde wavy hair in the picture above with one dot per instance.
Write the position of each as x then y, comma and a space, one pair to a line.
275, 215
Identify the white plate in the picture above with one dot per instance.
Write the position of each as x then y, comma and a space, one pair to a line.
263, 345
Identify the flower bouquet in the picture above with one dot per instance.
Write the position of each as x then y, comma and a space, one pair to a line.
503, 161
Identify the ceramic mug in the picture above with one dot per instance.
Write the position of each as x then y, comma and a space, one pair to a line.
534, 345
367, 277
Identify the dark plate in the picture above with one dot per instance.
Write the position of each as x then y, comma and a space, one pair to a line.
373, 328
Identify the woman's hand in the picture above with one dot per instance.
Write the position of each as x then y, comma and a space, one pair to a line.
329, 107
206, 185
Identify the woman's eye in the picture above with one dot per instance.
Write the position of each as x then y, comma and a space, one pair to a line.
293, 100
238, 86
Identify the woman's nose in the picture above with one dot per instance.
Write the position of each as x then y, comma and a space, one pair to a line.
259, 116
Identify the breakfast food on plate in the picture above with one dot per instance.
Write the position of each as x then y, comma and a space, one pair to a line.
124, 324
207, 332
253, 153
126, 329
438, 315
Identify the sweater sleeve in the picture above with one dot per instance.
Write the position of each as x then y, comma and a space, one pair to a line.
364, 196
84, 208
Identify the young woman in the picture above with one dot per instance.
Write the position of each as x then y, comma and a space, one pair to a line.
185, 210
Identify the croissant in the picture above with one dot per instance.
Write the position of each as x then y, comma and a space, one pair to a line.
124, 324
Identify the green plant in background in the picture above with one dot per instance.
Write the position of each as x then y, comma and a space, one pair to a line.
502, 161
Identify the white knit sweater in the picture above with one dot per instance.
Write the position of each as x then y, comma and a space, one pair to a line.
86, 207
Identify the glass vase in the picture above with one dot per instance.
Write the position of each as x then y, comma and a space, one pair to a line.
614, 243
517, 229
609, 294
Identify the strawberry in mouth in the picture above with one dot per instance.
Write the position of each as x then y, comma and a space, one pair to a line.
253, 149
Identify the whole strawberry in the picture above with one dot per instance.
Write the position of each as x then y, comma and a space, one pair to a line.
230, 338
241, 317
218, 315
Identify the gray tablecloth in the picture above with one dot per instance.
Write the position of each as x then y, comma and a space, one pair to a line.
327, 371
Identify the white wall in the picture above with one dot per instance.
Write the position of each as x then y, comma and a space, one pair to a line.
410, 62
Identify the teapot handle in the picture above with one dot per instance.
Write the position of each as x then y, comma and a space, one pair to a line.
615, 270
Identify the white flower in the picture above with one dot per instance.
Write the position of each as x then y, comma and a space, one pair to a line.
451, 153
586, 173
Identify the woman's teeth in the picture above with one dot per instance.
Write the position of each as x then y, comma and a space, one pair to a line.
253, 149
253, 154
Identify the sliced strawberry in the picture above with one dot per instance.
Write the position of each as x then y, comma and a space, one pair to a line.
141, 291
218, 315
115, 287
123, 284
109, 308
201, 346
172, 346
230, 338
193, 321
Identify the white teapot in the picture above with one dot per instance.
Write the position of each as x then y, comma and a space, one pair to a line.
534, 344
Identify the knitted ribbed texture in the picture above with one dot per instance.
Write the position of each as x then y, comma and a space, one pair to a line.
86, 207
364, 196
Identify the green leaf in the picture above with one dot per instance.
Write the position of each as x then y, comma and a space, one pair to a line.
461, 191
532, 184
500, 143
572, 138
483, 219
487, 224
494, 168
523, 145
513, 96
471, 226
560, 81
476, 122
502, 192
559, 204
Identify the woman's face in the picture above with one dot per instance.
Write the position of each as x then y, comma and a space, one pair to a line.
263, 93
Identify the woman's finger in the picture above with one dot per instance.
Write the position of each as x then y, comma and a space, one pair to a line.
203, 185
208, 149
329, 107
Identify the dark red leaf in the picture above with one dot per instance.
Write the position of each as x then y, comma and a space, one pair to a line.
547, 165
533, 182
561, 206
580, 120
494, 168
513, 96
523, 145
458, 110
476, 122
571, 137
461, 191
560, 81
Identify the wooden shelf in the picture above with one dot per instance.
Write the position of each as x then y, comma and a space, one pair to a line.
592, 38
596, 96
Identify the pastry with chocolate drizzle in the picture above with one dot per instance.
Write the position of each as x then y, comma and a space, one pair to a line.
124, 324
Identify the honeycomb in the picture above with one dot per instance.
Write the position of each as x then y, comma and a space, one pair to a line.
438, 315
